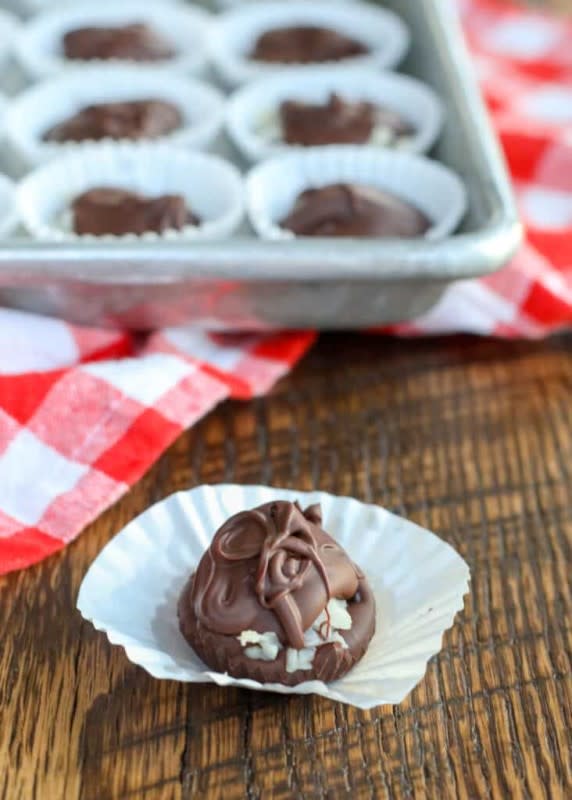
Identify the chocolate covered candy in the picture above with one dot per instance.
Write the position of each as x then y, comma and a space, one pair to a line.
276, 599
346, 210
110, 211
135, 42
335, 122
139, 119
305, 45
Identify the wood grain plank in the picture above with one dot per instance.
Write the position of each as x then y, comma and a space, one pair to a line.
471, 438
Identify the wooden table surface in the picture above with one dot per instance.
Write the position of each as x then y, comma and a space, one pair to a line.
470, 438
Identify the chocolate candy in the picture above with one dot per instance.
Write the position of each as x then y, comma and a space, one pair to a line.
335, 122
136, 42
305, 45
347, 210
110, 211
140, 119
276, 599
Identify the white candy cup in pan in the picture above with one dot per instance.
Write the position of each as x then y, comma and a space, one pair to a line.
186, 28
235, 33
273, 186
257, 102
39, 108
213, 189
131, 590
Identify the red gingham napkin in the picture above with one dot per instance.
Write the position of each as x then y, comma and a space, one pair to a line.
524, 61
88, 416
84, 414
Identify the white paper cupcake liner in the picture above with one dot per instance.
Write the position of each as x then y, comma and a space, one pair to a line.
253, 120
39, 45
419, 582
36, 110
274, 186
26, 7
8, 213
235, 33
212, 188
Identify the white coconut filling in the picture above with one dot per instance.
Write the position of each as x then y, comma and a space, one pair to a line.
266, 646
270, 128
260, 646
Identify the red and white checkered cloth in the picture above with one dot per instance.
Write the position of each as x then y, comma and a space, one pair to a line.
84, 414
524, 61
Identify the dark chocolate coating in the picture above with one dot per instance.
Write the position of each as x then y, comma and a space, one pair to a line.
224, 653
136, 42
335, 122
344, 210
274, 569
305, 45
109, 211
139, 119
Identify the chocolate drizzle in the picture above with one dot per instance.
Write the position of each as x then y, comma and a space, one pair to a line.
284, 561
271, 569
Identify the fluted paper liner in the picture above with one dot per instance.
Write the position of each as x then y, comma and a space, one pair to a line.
39, 108
416, 102
211, 186
131, 590
274, 185
186, 28
235, 33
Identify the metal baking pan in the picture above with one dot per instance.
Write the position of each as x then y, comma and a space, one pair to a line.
250, 284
